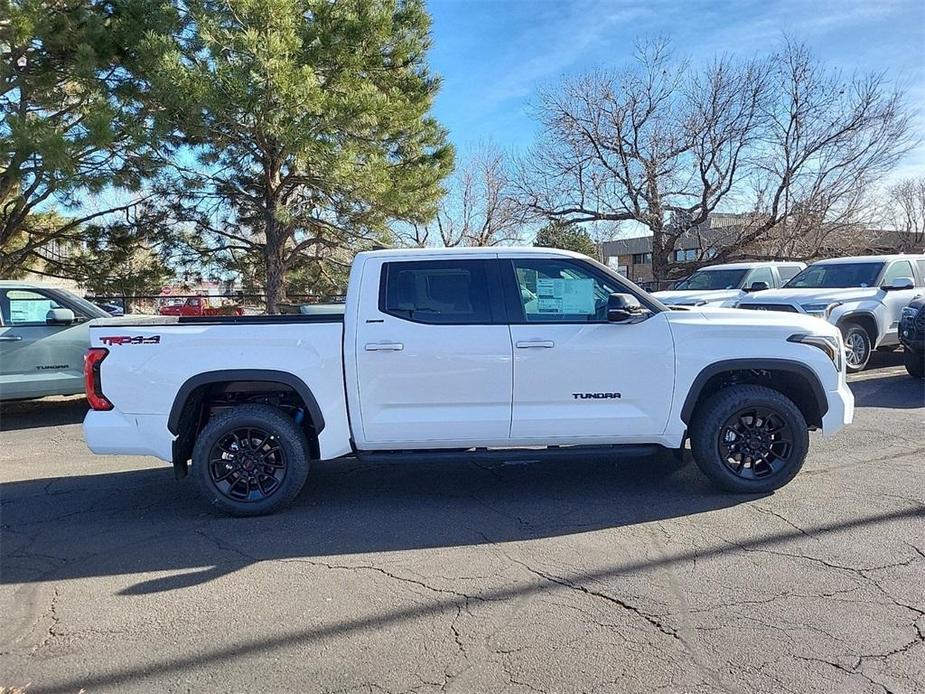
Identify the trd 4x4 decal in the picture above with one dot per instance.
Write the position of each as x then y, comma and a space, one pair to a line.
128, 340
597, 396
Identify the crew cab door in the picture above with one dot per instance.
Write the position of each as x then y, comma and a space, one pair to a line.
433, 354
895, 300
577, 377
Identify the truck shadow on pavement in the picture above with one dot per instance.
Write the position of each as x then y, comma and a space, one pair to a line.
144, 521
34, 414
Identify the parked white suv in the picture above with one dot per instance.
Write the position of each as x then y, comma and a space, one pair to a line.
724, 285
864, 296
473, 353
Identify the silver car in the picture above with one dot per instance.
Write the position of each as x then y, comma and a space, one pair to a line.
43, 339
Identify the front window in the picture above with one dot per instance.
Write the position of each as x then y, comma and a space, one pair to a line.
713, 279
898, 270
837, 276
26, 307
554, 291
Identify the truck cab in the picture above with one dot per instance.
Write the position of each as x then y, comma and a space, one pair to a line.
725, 285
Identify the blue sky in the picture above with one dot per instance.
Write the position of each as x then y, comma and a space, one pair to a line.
493, 54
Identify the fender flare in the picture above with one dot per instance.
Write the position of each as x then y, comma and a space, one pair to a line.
853, 314
258, 375
748, 365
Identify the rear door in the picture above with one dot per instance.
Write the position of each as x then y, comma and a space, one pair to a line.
577, 377
38, 359
433, 354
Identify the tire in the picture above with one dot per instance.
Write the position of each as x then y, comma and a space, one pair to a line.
770, 409
261, 453
915, 363
858, 346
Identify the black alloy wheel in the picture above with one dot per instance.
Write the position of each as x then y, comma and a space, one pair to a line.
247, 464
755, 442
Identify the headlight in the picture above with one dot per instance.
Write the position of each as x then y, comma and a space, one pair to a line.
820, 310
832, 346
909, 312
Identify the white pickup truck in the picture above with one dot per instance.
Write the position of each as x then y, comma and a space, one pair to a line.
480, 352
725, 285
864, 296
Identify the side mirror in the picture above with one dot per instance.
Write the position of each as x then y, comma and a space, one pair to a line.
899, 283
622, 307
59, 316
757, 287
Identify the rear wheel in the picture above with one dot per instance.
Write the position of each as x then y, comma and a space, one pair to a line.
250, 460
915, 362
749, 439
857, 346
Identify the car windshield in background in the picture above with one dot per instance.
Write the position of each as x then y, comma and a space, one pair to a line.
713, 279
836, 276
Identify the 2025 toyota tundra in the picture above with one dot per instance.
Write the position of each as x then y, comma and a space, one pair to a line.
479, 352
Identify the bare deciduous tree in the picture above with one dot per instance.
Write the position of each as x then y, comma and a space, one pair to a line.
477, 210
664, 144
906, 211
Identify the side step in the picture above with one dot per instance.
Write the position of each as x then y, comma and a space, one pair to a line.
511, 454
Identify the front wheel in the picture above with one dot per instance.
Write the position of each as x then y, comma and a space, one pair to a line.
749, 439
857, 347
915, 362
250, 460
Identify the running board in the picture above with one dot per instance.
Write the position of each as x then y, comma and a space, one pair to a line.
510, 454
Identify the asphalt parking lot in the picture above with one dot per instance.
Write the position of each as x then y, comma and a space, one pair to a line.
586, 576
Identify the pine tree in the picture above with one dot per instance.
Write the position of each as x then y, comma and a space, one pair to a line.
308, 121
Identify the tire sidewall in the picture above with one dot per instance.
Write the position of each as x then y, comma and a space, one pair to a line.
850, 329
716, 411
914, 362
290, 439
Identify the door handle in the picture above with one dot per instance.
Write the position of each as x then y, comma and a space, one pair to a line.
10, 338
528, 344
384, 346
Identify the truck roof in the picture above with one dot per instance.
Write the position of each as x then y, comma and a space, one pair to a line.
483, 250
19, 284
750, 265
871, 258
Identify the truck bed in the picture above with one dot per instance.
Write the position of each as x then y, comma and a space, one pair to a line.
332, 314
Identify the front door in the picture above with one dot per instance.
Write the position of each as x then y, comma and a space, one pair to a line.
433, 355
36, 358
577, 377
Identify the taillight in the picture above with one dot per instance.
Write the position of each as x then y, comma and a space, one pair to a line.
92, 383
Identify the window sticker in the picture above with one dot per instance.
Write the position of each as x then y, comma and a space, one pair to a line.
572, 296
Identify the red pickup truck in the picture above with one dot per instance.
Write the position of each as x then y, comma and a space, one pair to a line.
201, 306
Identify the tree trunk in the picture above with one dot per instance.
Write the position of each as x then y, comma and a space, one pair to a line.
276, 274
661, 256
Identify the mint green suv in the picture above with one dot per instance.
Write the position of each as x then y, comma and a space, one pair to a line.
43, 339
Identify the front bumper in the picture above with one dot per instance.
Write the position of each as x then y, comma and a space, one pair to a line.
841, 409
116, 433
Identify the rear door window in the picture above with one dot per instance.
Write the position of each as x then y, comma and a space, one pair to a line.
438, 291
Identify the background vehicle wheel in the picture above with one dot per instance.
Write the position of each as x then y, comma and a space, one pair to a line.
749, 439
915, 363
250, 460
857, 346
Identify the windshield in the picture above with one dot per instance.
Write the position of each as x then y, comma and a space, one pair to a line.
713, 279
836, 276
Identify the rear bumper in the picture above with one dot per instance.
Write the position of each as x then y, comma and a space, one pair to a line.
116, 433
841, 409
